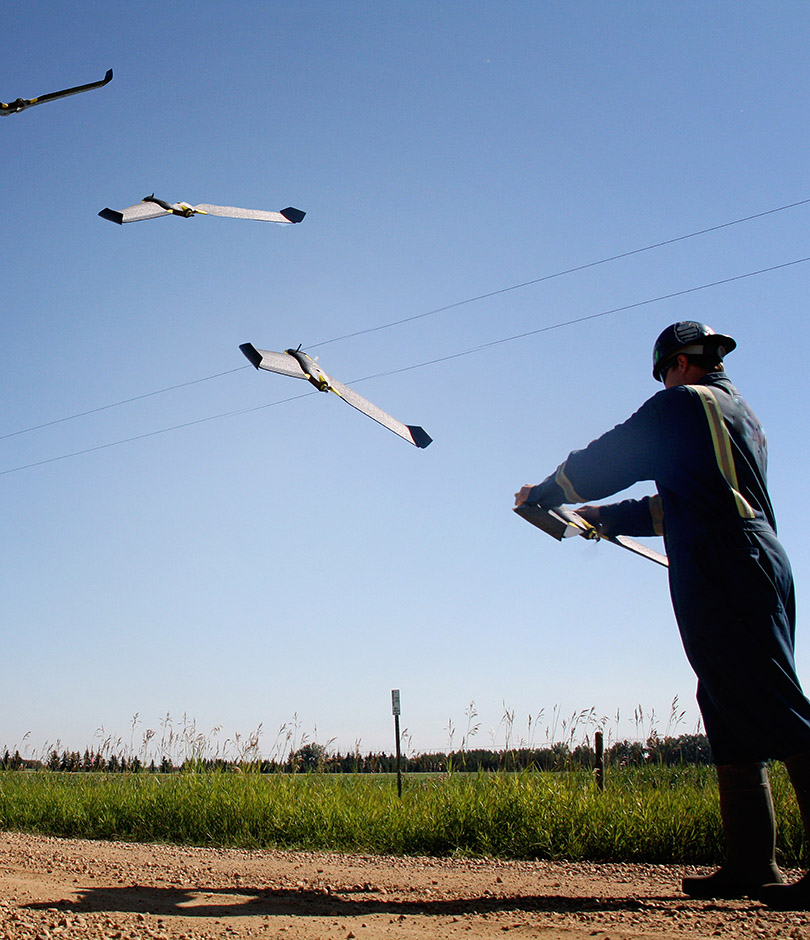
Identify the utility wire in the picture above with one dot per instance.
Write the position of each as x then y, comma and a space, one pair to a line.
140, 437
421, 365
591, 316
115, 404
419, 316
549, 277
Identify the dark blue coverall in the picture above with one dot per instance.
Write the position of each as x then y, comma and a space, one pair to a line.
729, 577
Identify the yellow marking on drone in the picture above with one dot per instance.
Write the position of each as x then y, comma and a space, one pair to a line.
588, 530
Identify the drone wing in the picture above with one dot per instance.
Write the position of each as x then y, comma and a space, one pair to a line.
260, 215
22, 103
561, 523
136, 213
280, 362
410, 433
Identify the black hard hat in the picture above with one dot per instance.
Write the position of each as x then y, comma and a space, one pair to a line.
688, 336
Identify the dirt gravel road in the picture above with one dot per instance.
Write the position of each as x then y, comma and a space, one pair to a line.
60, 888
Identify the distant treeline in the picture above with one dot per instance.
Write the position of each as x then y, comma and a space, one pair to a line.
684, 749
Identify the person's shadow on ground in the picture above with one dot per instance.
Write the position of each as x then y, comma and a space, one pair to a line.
246, 901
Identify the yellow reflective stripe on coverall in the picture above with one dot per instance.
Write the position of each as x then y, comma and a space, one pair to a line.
571, 495
722, 447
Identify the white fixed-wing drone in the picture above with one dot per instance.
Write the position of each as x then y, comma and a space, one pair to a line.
152, 208
299, 365
14, 107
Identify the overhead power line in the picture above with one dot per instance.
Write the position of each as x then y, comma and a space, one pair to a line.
115, 404
549, 277
428, 313
590, 316
421, 365
140, 437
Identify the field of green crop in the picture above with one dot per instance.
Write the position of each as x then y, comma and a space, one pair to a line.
654, 814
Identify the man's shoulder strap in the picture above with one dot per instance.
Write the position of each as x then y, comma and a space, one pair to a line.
722, 446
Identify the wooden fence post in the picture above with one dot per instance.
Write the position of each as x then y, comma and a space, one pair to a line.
599, 766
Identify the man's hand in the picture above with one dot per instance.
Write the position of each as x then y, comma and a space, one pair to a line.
523, 494
590, 514
593, 515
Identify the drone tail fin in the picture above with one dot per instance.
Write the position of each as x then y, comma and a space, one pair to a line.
293, 215
252, 354
112, 216
419, 435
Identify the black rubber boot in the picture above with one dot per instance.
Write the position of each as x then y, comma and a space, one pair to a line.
746, 809
796, 896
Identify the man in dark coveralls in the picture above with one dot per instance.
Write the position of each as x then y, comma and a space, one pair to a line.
730, 582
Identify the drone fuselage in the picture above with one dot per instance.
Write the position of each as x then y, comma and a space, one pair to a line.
158, 202
313, 371
14, 107
180, 208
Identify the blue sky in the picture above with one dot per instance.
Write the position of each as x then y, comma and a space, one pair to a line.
293, 563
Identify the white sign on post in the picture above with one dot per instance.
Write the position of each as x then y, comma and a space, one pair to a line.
395, 702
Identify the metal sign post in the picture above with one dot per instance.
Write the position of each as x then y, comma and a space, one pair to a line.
396, 709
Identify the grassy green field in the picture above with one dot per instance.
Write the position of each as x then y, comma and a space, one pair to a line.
654, 814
